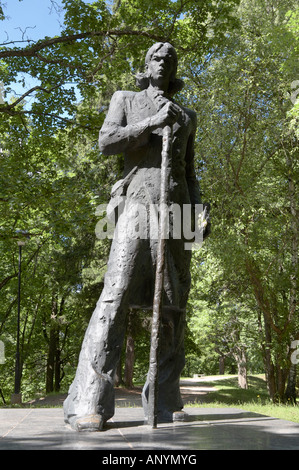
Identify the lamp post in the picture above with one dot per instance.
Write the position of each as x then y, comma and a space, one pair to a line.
16, 398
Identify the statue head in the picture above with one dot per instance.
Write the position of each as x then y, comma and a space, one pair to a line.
168, 51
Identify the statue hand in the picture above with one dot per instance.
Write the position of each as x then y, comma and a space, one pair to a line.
167, 115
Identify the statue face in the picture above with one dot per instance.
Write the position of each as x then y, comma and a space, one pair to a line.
161, 67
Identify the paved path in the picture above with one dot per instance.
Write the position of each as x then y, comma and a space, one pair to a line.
192, 391
205, 429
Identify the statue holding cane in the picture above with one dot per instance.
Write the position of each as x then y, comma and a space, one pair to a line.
134, 125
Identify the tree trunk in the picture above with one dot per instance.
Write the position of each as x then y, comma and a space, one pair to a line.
130, 360
281, 378
221, 365
241, 360
51, 360
294, 230
269, 366
242, 371
270, 377
290, 394
130, 354
57, 367
53, 348
118, 374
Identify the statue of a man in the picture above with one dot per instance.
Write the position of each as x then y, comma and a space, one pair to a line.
133, 126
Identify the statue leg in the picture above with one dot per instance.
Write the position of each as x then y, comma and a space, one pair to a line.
90, 402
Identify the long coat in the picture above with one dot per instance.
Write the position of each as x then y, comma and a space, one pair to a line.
126, 130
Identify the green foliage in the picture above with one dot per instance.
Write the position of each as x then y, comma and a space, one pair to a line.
249, 172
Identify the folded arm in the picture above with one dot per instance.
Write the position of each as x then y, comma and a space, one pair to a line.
116, 135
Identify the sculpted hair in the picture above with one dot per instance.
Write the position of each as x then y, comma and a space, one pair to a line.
175, 84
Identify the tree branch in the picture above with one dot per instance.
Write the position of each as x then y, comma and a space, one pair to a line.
15, 103
33, 50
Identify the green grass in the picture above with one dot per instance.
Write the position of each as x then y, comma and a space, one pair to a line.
254, 399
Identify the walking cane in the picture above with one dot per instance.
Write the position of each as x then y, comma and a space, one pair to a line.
159, 281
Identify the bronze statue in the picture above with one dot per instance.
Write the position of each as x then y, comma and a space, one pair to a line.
134, 126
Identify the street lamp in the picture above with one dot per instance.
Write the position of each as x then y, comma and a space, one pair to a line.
16, 398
